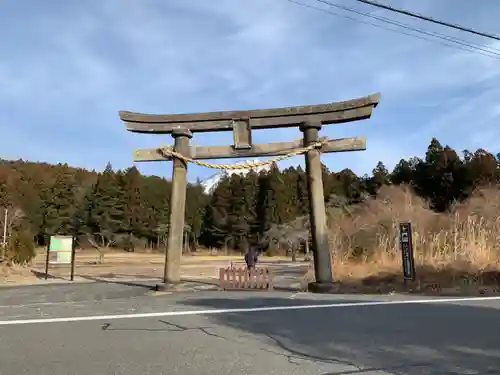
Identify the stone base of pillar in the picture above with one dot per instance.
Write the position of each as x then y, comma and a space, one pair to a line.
165, 287
325, 288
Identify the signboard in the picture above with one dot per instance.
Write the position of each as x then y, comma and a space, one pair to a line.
406, 241
61, 250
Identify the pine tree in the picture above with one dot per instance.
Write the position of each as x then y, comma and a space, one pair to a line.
215, 224
380, 177
58, 205
196, 201
481, 168
106, 216
237, 220
131, 184
242, 228
350, 186
276, 204
403, 173
439, 176
302, 192
155, 208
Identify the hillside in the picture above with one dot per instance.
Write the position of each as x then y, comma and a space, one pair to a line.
129, 210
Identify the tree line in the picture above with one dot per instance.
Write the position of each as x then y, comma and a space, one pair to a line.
125, 209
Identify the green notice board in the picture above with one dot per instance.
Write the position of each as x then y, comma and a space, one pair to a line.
60, 249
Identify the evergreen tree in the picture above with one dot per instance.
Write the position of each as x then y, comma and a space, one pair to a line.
133, 220
403, 173
215, 230
155, 207
196, 201
380, 177
58, 205
106, 216
303, 194
276, 206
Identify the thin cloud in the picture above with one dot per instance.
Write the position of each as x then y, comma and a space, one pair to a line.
65, 75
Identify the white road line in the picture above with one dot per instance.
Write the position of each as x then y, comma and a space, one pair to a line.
241, 310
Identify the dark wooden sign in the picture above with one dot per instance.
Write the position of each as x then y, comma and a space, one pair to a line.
406, 241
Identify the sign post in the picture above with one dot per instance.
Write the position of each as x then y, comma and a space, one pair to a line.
61, 250
406, 240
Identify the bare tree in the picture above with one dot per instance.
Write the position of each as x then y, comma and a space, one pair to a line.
302, 228
162, 231
187, 233
162, 235
10, 219
101, 241
291, 235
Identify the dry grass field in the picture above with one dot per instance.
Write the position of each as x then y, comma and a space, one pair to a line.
460, 249
119, 265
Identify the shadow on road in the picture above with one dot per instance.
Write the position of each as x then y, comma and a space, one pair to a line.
412, 339
146, 285
102, 279
41, 275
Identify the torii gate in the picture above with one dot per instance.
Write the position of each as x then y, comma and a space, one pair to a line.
309, 119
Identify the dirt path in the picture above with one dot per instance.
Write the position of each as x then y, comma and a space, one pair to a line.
122, 266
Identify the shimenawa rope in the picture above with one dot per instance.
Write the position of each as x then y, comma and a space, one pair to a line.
168, 151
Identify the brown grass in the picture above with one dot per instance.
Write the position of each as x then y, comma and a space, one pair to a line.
13, 273
456, 250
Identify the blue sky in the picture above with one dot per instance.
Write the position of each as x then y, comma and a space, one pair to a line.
68, 67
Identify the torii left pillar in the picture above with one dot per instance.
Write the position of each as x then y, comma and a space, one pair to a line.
173, 253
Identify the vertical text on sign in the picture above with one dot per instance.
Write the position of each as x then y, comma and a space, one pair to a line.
406, 242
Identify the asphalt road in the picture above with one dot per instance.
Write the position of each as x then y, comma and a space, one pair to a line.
182, 334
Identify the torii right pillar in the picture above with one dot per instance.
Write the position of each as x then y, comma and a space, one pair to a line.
317, 213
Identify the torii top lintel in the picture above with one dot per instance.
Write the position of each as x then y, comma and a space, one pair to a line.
339, 112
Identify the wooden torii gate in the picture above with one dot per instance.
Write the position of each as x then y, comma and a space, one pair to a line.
309, 119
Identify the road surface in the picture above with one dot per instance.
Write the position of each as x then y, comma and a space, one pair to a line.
129, 331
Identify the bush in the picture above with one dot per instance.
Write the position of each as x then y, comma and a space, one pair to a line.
20, 248
129, 242
274, 250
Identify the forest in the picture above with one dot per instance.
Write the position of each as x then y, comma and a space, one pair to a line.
449, 196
